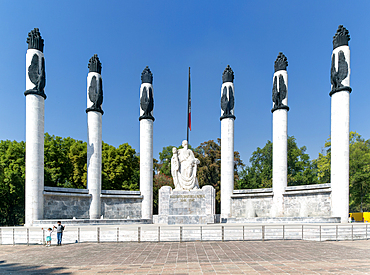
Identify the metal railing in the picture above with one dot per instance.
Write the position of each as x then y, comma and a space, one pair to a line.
186, 233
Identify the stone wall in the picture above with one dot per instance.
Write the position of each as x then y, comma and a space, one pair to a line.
66, 203
307, 201
299, 201
250, 203
116, 204
69, 203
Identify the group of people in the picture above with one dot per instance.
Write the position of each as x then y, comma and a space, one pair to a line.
60, 228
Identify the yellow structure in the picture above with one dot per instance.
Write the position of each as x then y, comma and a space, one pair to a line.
361, 216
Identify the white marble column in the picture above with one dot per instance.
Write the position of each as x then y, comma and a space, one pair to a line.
280, 135
340, 124
146, 143
227, 142
35, 97
94, 136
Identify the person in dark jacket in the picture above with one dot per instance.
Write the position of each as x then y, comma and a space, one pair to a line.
60, 228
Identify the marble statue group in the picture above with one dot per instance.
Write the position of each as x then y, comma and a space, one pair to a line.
184, 168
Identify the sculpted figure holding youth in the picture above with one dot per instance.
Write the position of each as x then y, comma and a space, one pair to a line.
184, 168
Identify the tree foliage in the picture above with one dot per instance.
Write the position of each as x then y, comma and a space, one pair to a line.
160, 180
12, 176
120, 169
65, 165
359, 171
301, 171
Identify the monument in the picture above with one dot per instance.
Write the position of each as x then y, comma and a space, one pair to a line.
184, 168
146, 143
280, 134
227, 141
186, 204
340, 90
35, 97
94, 136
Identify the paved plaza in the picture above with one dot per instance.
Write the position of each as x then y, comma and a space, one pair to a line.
234, 257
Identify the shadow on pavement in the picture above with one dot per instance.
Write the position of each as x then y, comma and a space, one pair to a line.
15, 268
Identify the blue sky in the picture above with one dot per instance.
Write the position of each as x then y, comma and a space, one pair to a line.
170, 36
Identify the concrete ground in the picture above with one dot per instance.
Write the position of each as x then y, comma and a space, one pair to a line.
234, 257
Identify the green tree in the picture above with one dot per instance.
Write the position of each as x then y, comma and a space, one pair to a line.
165, 160
78, 157
12, 177
57, 165
120, 168
359, 171
259, 173
160, 180
301, 171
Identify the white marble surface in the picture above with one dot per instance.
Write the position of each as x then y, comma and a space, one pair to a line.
94, 155
34, 185
340, 145
146, 167
227, 165
34, 158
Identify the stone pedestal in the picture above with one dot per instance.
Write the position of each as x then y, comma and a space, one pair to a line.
187, 207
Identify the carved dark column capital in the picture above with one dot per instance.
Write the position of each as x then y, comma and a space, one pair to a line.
146, 76
281, 62
94, 64
341, 37
228, 75
35, 41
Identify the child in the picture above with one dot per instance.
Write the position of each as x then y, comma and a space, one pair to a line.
48, 236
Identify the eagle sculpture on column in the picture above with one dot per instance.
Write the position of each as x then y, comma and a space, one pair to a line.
147, 103
336, 77
36, 74
279, 95
96, 94
227, 104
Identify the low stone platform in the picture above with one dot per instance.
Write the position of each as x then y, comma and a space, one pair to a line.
286, 220
186, 207
82, 222
253, 257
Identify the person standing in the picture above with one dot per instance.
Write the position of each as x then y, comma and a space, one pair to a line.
60, 228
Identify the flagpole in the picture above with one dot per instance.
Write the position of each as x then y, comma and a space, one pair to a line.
188, 110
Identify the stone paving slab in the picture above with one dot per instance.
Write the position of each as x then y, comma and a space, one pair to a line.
234, 257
